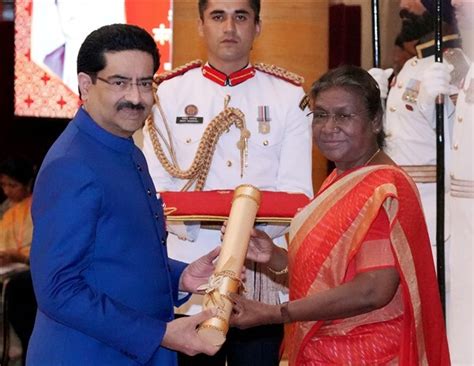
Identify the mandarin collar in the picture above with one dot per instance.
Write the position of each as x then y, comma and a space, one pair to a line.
86, 124
235, 78
426, 46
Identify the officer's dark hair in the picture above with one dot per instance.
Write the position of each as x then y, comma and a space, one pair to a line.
254, 4
18, 168
114, 38
358, 80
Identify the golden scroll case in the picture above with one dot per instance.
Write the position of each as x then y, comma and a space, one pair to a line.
226, 278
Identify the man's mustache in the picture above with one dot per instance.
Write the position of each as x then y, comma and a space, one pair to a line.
406, 14
130, 105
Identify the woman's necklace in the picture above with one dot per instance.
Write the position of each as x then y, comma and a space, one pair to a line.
372, 157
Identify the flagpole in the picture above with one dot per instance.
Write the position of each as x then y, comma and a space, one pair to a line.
375, 33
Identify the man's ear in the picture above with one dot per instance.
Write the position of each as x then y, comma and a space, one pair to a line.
84, 82
258, 28
200, 25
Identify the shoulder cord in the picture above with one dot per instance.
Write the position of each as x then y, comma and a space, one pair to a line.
199, 168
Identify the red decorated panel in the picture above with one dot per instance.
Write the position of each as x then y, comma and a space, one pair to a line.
48, 34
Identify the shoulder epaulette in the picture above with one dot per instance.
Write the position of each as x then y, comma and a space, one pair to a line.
304, 102
280, 73
180, 70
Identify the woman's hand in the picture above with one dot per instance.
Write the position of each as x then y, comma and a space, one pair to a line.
260, 248
11, 256
248, 313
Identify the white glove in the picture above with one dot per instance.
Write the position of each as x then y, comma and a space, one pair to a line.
434, 81
381, 77
184, 230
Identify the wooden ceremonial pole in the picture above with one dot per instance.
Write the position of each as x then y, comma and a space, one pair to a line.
376, 32
440, 204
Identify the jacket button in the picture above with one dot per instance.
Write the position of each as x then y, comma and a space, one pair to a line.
157, 216
139, 168
148, 192
163, 241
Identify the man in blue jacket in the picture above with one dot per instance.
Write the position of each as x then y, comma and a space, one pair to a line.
104, 283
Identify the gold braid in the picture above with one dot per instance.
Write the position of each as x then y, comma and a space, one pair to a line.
199, 168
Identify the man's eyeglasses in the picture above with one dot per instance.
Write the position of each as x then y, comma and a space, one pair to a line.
123, 85
340, 119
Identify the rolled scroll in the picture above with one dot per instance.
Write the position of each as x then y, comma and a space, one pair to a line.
226, 277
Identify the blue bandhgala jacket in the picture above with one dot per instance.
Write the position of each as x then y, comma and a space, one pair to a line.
104, 283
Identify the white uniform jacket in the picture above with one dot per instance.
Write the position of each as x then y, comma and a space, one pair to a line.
411, 131
279, 160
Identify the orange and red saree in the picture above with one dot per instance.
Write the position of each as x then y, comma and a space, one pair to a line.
327, 234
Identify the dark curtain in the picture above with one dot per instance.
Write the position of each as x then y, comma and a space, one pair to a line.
344, 35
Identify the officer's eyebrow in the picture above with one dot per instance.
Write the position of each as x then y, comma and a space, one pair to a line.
242, 12
238, 11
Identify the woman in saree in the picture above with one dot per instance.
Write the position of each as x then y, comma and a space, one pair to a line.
16, 226
16, 231
362, 283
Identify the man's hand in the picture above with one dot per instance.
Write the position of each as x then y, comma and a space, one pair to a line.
181, 335
381, 77
198, 272
249, 313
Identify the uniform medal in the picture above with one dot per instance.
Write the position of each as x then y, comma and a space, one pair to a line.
263, 119
411, 92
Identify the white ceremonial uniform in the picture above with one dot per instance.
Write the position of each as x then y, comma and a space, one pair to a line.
279, 160
411, 137
460, 318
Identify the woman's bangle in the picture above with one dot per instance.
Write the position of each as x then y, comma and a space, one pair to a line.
283, 271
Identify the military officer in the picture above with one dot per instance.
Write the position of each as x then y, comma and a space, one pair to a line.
264, 139
410, 119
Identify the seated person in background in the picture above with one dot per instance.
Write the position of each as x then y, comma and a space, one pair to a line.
362, 283
16, 227
4, 205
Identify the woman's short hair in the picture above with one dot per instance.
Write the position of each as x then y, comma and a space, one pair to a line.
359, 80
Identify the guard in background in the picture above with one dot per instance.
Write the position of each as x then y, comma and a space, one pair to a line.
410, 118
